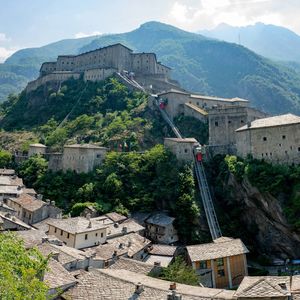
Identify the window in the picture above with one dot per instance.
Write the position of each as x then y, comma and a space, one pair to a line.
220, 262
283, 137
242, 121
298, 149
203, 265
216, 124
86, 236
68, 236
98, 155
185, 150
96, 234
271, 154
221, 273
102, 234
229, 122
55, 229
264, 138
61, 232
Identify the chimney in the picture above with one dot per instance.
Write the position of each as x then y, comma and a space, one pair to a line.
174, 296
124, 229
173, 286
88, 216
115, 253
53, 203
90, 224
129, 243
39, 196
157, 264
139, 288
48, 201
248, 124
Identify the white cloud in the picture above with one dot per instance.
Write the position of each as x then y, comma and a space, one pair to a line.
82, 34
3, 37
6, 52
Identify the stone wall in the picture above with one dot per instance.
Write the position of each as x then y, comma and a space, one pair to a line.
53, 77
98, 74
82, 158
182, 148
279, 144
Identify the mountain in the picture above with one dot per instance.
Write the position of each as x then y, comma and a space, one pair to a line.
203, 65
274, 42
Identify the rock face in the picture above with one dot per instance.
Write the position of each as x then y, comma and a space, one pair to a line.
262, 211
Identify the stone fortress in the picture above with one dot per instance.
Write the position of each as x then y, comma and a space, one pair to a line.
101, 63
233, 125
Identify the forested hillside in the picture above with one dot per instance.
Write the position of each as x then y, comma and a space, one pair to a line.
200, 64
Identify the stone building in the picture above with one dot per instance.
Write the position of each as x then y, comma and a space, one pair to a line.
82, 158
182, 148
275, 139
223, 123
102, 63
36, 149
78, 232
160, 228
176, 101
221, 264
32, 210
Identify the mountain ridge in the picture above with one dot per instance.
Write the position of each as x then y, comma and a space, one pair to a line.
205, 65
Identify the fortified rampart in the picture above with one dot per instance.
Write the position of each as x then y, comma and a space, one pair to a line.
102, 63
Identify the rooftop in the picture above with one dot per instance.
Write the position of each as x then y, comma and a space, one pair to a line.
128, 226
85, 146
128, 244
197, 109
7, 172
163, 260
76, 225
165, 250
160, 219
31, 237
183, 140
37, 145
28, 202
132, 265
220, 248
121, 284
115, 217
11, 180
57, 276
264, 286
12, 219
282, 120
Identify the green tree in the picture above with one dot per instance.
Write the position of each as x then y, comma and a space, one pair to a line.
21, 270
5, 159
180, 272
32, 169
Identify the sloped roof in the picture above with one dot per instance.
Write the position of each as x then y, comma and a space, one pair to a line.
183, 140
165, 250
132, 265
85, 146
219, 249
28, 202
160, 219
129, 244
115, 217
57, 276
196, 108
287, 119
264, 286
121, 284
76, 225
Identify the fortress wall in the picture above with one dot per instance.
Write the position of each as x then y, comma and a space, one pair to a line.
59, 76
224, 121
144, 63
279, 144
65, 63
47, 68
98, 74
161, 69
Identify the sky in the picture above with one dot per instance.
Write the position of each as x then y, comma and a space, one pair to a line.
33, 23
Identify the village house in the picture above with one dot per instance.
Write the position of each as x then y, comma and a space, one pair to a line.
160, 228
275, 139
32, 210
221, 264
131, 245
78, 232
7, 172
